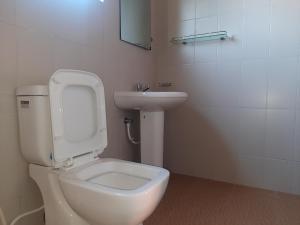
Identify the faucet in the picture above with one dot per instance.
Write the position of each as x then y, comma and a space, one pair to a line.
142, 87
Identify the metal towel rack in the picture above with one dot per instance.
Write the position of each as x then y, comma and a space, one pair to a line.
220, 35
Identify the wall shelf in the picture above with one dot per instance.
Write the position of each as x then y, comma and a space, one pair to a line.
220, 35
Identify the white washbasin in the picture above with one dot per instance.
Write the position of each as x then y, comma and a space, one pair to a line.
149, 101
151, 106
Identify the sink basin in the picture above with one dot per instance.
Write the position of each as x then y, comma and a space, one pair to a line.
151, 106
149, 101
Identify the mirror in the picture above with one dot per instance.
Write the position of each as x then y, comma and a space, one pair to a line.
135, 20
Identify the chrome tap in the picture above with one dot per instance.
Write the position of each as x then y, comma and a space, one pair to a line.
142, 87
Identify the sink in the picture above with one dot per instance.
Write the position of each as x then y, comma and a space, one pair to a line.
151, 106
149, 101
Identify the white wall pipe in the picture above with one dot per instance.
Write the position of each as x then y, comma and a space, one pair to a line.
131, 139
2, 218
128, 123
26, 214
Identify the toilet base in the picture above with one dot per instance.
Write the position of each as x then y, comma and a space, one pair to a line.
57, 210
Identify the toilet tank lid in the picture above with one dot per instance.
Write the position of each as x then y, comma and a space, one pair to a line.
33, 90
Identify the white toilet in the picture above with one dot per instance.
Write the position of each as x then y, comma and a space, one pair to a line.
63, 132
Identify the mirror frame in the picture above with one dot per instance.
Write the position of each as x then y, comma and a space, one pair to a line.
120, 30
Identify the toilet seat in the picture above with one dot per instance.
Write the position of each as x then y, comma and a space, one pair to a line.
114, 176
78, 127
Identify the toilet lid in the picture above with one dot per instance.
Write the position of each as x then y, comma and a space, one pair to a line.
78, 114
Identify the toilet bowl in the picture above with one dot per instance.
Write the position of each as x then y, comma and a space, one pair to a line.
63, 133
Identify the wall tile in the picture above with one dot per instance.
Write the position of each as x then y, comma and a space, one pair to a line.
71, 21
36, 14
179, 10
224, 170
8, 52
12, 182
296, 154
280, 134
283, 77
228, 84
298, 87
93, 60
276, 174
295, 167
254, 85
298, 95
257, 29
249, 171
229, 6
95, 24
206, 8
226, 127
201, 81
35, 57
181, 54
8, 11
284, 27
8, 101
67, 55
252, 133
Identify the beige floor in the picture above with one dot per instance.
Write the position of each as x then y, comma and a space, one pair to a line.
195, 201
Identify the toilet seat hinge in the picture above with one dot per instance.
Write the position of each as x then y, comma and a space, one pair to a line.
68, 163
96, 154
63, 164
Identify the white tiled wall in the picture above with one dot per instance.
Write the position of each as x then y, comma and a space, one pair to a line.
241, 122
38, 37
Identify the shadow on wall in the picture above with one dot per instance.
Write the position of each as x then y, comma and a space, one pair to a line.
209, 128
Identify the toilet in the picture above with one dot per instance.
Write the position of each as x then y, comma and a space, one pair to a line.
62, 134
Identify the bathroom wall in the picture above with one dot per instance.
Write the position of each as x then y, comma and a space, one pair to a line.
38, 37
241, 123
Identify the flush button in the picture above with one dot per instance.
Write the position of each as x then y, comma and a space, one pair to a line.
25, 104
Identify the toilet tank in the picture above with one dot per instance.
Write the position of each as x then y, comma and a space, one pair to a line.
35, 124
